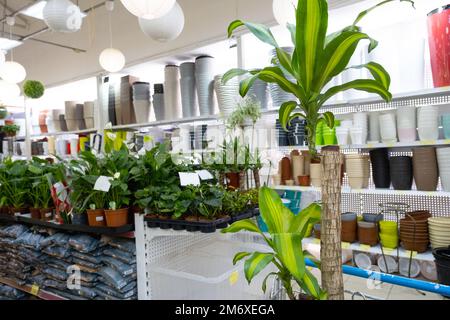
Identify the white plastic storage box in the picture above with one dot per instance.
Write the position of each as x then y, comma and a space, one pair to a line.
206, 273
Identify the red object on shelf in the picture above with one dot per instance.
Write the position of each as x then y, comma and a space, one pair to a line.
439, 41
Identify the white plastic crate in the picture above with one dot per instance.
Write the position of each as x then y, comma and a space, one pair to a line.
206, 272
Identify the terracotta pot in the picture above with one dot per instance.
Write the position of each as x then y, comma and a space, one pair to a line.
425, 168
116, 218
349, 226
304, 181
417, 246
349, 236
18, 211
46, 214
35, 213
286, 172
4, 210
96, 218
233, 180
298, 166
368, 236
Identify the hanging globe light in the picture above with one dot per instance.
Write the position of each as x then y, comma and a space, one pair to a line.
166, 28
112, 60
284, 11
63, 16
149, 9
12, 72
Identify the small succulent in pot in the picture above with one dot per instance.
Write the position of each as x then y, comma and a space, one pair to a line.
33, 89
10, 130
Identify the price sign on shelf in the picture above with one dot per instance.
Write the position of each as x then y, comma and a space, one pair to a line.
364, 247
234, 277
34, 290
345, 245
408, 253
388, 250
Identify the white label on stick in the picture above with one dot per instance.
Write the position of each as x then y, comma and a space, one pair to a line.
103, 184
205, 175
189, 179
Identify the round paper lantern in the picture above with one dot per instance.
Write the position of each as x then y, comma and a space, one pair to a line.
284, 11
12, 72
166, 28
149, 9
62, 16
112, 60
8, 90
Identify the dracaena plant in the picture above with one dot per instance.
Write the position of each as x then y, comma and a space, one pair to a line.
284, 241
317, 59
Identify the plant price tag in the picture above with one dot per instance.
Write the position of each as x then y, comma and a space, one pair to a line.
345, 245
189, 179
103, 184
205, 174
34, 290
364, 247
234, 277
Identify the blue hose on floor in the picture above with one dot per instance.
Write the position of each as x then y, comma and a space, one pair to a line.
393, 279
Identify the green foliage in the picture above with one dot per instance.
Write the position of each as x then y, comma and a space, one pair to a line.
286, 232
10, 129
249, 108
33, 89
316, 60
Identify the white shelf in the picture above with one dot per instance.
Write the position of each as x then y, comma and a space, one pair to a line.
166, 122
62, 133
348, 190
426, 256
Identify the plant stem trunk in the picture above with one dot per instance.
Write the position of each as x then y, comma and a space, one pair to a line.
331, 251
257, 178
242, 176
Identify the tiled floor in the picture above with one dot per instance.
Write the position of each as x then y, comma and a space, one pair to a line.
382, 291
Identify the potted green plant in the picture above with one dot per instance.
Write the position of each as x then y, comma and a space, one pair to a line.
317, 59
247, 113
284, 250
10, 130
15, 182
210, 204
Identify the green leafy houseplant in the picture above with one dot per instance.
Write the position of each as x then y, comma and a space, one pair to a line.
33, 89
10, 130
285, 243
248, 110
316, 60
15, 184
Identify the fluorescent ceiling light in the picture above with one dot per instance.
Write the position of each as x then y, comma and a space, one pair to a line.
37, 10
7, 44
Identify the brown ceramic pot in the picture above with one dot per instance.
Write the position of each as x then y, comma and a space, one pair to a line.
96, 218
35, 213
233, 180
286, 170
368, 236
425, 168
304, 181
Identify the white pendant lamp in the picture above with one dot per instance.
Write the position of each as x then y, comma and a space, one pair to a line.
166, 28
112, 60
284, 11
62, 16
12, 72
9, 90
149, 9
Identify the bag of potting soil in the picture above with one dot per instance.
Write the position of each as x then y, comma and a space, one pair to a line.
85, 292
37, 279
88, 277
109, 291
131, 277
67, 294
30, 240
60, 285
123, 256
123, 268
55, 274
58, 264
9, 292
83, 243
112, 278
123, 244
58, 252
13, 231
86, 265
59, 239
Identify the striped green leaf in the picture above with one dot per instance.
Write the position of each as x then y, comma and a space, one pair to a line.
274, 213
292, 29
328, 117
247, 225
311, 286
336, 56
365, 12
276, 75
285, 111
288, 247
377, 71
239, 256
312, 24
309, 215
246, 84
256, 263
264, 284
233, 73
260, 31
285, 61
371, 86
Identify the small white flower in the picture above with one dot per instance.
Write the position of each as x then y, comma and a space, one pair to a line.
117, 175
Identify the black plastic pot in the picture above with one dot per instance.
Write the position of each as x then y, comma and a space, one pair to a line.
79, 219
380, 168
401, 169
442, 257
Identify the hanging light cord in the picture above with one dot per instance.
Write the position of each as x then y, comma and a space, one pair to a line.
10, 38
110, 30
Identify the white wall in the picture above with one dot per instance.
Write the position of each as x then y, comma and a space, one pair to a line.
205, 20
